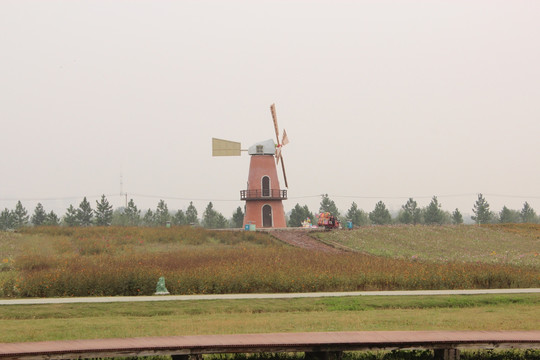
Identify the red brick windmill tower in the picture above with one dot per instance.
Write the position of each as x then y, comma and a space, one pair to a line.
263, 196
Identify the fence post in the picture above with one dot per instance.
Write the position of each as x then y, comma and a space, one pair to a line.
446, 354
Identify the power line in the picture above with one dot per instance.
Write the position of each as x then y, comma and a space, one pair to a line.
417, 196
57, 198
181, 198
369, 197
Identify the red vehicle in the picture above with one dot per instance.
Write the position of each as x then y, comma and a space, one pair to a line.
328, 221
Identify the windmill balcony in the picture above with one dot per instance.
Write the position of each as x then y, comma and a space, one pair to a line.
266, 194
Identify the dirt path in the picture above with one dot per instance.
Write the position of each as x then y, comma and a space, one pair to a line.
300, 238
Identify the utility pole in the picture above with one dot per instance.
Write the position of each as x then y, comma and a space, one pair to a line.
122, 189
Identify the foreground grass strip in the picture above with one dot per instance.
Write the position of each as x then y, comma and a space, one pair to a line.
85, 321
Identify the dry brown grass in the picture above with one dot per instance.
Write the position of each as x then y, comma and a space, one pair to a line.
50, 262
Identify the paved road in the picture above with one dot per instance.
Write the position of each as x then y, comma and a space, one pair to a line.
260, 296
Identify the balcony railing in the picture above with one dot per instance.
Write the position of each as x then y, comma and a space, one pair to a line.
266, 194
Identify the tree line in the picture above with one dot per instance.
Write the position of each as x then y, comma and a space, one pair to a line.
411, 213
104, 215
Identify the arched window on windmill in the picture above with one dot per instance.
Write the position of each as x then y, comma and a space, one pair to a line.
267, 217
266, 186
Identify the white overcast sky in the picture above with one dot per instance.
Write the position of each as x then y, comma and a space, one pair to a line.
382, 100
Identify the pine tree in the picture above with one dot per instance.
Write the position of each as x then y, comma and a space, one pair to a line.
457, 218
482, 215
527, 214
237, 218
380, 215
131, 215
7, 220
296, 216
40, 216
162, 216
191, 215
148, 218
210, 215
357, 216
213, 219
85, 213
179, 219
507, 216
103, 212
52, 219
20, 216
221, 221
410, 213
70, 218
433, 213
328, 205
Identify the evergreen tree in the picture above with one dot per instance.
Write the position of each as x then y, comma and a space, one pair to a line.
210, 217
52, 219
482, 215
410, 213
527, 214
457, 218
132, 215
507, 216
85, 213
7, 220
162, 216
380, 215
298, 215
328, 205
237, 218
433, 213
221, 221
20, 215
103, 212
179, 218
148, 218
70, 218
191, 214
357, 216
40, 216
308, 214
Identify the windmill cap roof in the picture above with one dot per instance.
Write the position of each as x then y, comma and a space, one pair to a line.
268, 148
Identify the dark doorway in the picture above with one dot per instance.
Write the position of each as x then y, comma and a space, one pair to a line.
267, 216
266, 186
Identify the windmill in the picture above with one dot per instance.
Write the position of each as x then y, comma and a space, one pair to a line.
263, 196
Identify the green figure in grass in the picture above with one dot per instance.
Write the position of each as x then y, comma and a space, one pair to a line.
160, 288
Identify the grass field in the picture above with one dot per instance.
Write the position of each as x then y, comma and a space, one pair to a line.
128, 261
82, 321
52, 262
514, 244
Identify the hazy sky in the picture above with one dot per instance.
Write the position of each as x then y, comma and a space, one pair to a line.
381, 100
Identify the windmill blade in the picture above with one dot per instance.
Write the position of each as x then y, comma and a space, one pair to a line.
284, 139
284, 175
222, 147
274, 117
